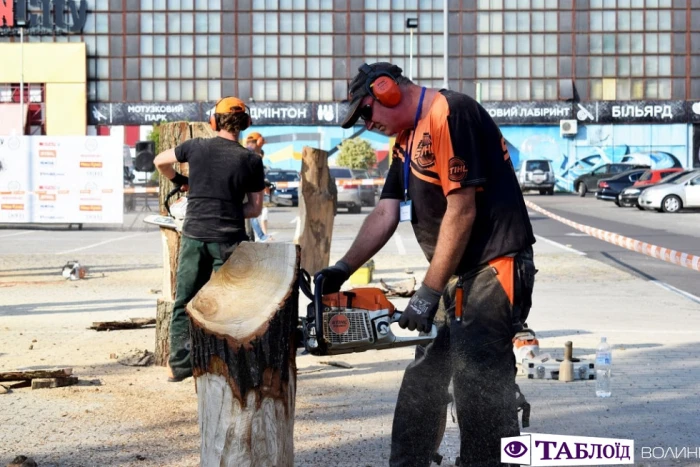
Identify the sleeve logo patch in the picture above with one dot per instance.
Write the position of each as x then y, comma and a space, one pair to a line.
457, 169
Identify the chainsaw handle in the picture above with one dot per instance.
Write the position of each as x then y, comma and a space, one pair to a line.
166, 202
305, 283
396, 316
318, 307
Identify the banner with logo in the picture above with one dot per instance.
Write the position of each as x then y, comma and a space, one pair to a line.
61, 179
560, 450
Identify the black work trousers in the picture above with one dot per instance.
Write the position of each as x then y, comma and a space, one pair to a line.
477, 354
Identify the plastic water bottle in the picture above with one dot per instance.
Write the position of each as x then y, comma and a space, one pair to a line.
603, 364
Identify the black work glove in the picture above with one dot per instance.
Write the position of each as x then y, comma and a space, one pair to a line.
334, 277
180, 180
421, 310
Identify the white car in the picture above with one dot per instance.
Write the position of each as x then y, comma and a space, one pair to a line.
681, 193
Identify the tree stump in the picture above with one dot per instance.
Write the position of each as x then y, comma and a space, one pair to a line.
317, 207
171, 135
244, 357
164, 311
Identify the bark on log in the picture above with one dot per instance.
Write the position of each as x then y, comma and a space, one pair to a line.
163, 313
171, 135
317, 207
244, 357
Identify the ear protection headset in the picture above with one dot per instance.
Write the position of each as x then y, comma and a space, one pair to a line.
228, 105
382, 85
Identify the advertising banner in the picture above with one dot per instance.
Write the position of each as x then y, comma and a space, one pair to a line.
61, 179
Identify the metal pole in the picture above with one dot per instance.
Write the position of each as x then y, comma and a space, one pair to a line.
410, 55
21, 79
444, 59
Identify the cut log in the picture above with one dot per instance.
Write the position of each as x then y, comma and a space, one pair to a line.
45, 383
244, 357
317, 207
27, 375
133, 323
163, 313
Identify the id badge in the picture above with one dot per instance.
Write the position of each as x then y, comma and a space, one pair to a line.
405, 211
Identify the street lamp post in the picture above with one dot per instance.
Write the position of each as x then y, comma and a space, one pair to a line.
21, 24
411, 25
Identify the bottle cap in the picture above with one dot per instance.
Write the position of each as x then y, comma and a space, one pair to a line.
603, 339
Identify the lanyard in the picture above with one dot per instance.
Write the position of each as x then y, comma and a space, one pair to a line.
407, 158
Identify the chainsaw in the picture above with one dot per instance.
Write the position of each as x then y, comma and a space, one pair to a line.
176, 212
351, 321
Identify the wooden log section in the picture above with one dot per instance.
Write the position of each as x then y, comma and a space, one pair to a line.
244, 357
317, 206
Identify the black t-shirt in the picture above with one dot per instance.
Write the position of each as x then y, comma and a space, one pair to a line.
221, 173
458, 145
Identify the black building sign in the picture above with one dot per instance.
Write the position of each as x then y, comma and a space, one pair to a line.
693, 109
262, 114
517, 113
332, 113
632, 112
42, 17
143, 113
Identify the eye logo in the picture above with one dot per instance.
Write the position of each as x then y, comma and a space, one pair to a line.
515, 449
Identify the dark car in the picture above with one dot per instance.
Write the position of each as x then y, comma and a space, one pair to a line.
610, 188
285, 190
630, 196
589, 182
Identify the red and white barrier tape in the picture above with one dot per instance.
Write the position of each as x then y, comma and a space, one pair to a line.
665, 254
140, 189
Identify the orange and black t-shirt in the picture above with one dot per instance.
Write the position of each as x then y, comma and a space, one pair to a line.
456, 145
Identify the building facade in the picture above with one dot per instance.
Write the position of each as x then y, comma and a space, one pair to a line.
627, 62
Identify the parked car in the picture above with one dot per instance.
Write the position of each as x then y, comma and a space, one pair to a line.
651, 177
348, 189
589, 182
630, 196
367, 192
683, 192
281, 195
537, 174
610, 188
378, 177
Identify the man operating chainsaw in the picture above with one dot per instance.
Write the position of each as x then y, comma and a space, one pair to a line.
221, 174
451, 177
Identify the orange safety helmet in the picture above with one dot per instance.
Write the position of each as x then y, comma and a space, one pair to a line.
255, 137
228, 105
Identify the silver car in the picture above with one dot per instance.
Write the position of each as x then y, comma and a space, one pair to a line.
348, 189
684, 192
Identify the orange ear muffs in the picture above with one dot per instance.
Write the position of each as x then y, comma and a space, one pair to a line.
386, 90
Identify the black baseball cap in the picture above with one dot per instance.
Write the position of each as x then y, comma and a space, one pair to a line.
360, 87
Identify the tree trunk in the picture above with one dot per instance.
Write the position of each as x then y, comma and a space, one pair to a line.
164, 311
244, 357
171, 135
317, 207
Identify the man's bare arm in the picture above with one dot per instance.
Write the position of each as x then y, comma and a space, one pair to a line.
454, 235
164, 163
253, 207
376, 230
